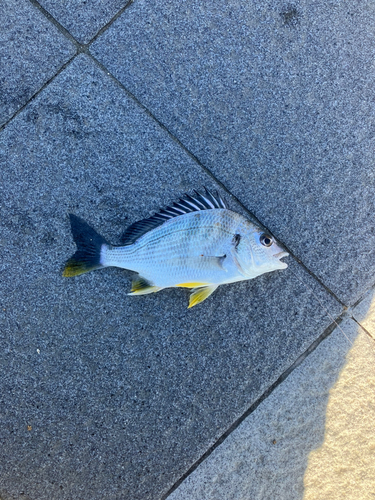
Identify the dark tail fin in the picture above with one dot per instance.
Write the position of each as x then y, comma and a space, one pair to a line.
89, 244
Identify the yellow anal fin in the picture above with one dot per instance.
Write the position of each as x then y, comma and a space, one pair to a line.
140, 286
200, 294
192, 284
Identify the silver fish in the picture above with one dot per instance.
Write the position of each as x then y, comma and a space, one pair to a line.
196, 243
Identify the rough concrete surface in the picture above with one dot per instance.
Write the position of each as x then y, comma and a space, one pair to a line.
275, 98
83, 18
106, 396
121, 394
312, 438
343, 467
31, 51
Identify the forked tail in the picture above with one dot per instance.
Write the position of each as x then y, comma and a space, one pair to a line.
89, 244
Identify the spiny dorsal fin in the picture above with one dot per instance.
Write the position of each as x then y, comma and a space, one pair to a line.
187, 204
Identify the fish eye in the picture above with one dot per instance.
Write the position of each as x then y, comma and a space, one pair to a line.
266, 240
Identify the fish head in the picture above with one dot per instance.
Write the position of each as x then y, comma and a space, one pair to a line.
257, 252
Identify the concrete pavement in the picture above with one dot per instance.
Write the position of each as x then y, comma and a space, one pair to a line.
111, 111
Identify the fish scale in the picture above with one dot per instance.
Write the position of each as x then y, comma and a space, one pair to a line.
175, 252
196, 243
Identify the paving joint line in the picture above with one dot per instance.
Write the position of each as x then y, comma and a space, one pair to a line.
372, 287
84, 48
255, 405
208, 172
60, 70
363, 328
56, 23
111, 21
81, 47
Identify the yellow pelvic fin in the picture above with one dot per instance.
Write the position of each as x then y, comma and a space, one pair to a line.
192, 284
140, 286
200, 294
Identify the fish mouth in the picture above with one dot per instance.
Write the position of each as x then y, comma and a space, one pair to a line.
281, 254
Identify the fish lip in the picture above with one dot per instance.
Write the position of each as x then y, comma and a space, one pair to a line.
281, 254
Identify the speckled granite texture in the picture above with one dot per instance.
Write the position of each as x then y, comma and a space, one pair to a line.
276, 99
266, 457
137, 387
83, 18
31, 51
108, 396
311, 439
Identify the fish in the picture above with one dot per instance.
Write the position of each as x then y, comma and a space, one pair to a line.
196, 243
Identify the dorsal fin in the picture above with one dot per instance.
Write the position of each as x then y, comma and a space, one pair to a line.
187, 204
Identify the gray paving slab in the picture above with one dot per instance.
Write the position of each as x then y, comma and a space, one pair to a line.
105, 395
266, 457
276, 99
31, 51
83, 18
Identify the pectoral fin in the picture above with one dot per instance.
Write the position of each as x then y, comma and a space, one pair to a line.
140, 286
200, 294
